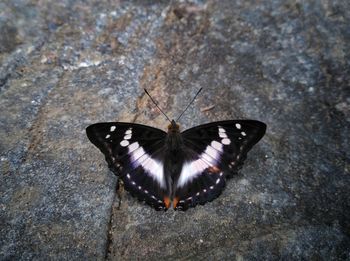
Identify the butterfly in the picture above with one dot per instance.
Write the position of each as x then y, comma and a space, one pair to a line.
179, 169
173, 168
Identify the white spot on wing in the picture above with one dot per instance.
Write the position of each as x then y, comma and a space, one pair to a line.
222, 135
222, 130
226, 141
128, 132
108, 136
243, 133
113, 128
142, 158
136, 154
124, 143
207, 158
216, 145
133, 146
127, 137
212, 152
217, 181
238, 126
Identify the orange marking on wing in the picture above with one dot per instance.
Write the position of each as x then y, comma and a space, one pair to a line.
214, 169
175, 201
167, 202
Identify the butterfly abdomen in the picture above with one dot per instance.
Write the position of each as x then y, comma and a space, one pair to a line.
173, 159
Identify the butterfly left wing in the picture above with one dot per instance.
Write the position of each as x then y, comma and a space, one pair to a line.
134, 153
213, 152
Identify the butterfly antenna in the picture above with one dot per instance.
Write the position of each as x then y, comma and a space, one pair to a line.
190, 103
157, 105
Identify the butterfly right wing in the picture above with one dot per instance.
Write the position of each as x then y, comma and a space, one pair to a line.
214, 152
134, 153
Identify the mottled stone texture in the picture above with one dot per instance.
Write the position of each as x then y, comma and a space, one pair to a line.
67, 64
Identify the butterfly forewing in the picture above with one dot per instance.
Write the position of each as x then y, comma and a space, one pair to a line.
134, 153
215, 151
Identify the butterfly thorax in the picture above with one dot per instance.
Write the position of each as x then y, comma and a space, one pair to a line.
174, 141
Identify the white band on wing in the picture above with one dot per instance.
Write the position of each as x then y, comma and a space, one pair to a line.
208, 158
153, 167
191, 170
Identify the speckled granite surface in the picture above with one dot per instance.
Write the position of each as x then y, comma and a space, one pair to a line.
67, 64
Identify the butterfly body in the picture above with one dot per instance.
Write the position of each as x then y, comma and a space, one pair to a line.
179, 168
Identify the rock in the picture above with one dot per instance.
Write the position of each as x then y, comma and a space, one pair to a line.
8, 37
281, 62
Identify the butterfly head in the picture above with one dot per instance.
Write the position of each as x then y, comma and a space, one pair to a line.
173, 127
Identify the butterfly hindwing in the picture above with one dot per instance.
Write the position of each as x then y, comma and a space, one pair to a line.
134, 153
214, 152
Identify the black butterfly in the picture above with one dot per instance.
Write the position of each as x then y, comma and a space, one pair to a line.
179, 168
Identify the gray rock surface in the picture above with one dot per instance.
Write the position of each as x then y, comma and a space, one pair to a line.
67, 64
